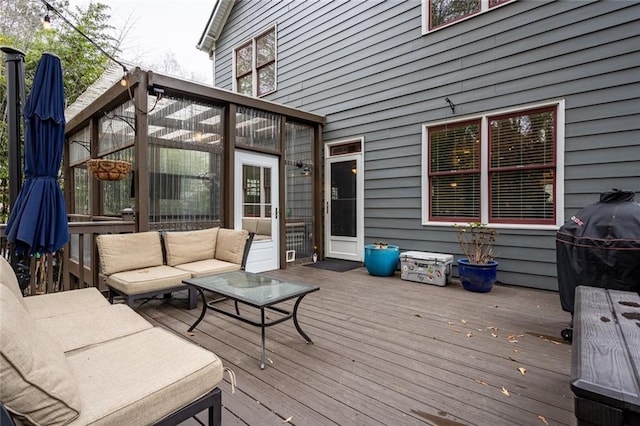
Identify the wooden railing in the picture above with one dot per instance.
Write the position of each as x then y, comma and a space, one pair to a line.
79, 266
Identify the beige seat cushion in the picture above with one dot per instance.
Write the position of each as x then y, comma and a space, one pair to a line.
124, 252
208, 267
79, 330
230, 245
65, 302
190, 246
36, 381
147, 280
162, 373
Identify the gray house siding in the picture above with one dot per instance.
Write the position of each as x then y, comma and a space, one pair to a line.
366, 66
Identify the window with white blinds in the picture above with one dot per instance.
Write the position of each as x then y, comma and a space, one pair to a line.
454, 171
522, 166
495, 169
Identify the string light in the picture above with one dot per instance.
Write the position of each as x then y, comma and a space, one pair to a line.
124, 82
47, 24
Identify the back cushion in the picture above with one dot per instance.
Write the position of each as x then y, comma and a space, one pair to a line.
37, 383
126, 252
230, 245
190, 246
8, 278
250, 224
264, 227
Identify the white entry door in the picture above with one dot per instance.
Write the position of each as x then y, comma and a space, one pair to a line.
256, 207
344, 206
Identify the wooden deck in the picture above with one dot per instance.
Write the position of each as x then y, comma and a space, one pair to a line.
392, 352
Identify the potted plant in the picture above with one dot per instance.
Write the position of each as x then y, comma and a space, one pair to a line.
381, 259
381, 244
477, 269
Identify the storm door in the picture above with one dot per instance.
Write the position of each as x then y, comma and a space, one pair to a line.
256, 207
344, 206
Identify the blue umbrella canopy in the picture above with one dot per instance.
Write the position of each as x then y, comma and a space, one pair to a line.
38, 220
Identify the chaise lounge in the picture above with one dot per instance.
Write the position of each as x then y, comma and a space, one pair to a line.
72, 358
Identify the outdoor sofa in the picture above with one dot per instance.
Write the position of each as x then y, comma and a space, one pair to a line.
148, 264
72, 358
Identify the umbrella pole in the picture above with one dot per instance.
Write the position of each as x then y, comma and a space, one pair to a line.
15, 98
14, 60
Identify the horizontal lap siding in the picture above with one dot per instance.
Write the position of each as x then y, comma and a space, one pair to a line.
367, 67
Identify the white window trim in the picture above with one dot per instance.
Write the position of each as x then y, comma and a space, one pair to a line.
254, 73
484, 166
484, 8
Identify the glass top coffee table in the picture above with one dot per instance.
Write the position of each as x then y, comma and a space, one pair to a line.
254, 290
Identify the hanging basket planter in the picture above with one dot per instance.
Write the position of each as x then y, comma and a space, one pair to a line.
110, 170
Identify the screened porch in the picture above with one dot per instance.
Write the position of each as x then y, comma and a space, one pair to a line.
181, 140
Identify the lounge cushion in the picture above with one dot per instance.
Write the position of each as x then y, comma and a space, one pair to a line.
147, 280
65, 302
8, 278
230, 245
208, 267
36, 381
190, 246
143, 388
79, 330
124, 252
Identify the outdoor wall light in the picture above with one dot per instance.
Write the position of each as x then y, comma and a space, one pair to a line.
306, 170
451, 105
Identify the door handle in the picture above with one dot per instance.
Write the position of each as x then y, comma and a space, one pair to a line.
327, 211
276, 213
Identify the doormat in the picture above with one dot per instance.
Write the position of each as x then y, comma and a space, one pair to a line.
335, 265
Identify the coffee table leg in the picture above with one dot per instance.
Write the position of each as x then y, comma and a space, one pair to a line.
204, 310
262, 357
295, 320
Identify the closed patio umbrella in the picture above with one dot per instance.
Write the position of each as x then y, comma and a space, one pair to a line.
38, 220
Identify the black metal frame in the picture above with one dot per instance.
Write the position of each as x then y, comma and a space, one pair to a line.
192, 300
212, 402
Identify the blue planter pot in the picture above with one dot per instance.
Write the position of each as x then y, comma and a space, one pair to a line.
381, 262
477, 277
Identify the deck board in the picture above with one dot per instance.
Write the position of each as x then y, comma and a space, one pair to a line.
391, 352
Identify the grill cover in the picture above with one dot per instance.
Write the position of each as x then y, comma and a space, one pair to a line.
600, 247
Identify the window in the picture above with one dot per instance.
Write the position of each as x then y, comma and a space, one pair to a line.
439, 13
454, 171
522, 166
499, 168
255, 65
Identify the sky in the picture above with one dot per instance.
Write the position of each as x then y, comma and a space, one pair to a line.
160, 27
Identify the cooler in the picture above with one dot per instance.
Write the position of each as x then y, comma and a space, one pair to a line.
427, 268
